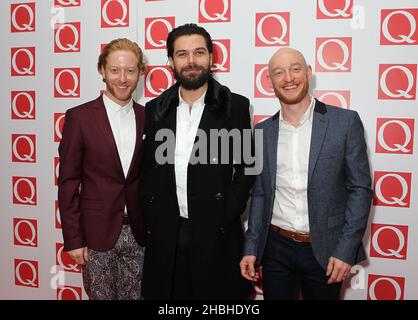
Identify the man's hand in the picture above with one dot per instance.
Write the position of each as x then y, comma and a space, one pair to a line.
247, 268
338, 270
79, 256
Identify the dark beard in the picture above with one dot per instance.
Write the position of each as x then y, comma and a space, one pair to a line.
193, 83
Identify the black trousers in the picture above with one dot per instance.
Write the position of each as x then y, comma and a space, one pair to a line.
182, 279
290, 269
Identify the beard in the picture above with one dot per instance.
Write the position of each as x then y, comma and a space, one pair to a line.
293, 100
194, 82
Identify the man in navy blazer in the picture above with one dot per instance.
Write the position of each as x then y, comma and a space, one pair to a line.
310, 204
98, 182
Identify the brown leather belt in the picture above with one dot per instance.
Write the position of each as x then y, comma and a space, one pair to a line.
295, 236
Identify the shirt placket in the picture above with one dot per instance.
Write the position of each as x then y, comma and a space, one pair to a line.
296, 175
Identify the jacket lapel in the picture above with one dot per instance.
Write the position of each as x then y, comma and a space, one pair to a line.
319, 129
139, 121
107, 134
272, 138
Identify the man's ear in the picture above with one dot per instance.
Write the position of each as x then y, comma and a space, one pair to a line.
103, 73
309, 73
269, 80
171, 62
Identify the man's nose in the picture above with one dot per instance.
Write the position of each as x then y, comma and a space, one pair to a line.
288, 76
122, 76
190, 58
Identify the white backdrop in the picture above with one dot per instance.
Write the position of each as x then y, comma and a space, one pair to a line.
364, 57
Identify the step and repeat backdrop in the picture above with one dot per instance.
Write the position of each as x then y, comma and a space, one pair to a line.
364, 58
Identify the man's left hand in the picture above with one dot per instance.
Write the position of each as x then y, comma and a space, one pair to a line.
338, 270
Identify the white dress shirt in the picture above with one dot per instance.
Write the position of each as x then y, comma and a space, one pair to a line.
290, 209
123, 124
188, 120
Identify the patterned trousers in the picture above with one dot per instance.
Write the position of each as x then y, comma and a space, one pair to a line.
115, 274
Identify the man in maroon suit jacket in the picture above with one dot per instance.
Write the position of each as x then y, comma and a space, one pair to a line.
98, 182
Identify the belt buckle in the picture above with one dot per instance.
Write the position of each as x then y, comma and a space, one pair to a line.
294, 238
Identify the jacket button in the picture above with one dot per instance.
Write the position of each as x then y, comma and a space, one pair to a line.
151, 199
221, 230
218, 196
148, 232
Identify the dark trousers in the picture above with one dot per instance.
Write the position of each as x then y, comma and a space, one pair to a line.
182, 279
290, 268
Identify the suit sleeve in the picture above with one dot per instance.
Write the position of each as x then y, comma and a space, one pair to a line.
358, 186
69, 181
239, 189
255, 219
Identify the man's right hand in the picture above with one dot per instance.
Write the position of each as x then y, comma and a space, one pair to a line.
79, 256
248, 270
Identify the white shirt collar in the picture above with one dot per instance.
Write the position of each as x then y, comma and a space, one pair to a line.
308, 115
116, 107
200, 101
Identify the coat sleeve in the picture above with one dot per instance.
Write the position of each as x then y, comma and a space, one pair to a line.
69, 181
358, 186
242, 182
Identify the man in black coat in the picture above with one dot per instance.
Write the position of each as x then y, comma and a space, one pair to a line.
195, 185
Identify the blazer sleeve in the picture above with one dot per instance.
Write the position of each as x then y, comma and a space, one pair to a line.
255, 219
239, 189
69, 181
358, 186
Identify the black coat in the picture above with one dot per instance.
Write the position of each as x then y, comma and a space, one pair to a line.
217, 196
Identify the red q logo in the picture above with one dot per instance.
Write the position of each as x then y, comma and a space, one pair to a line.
334, 9
214, 11
399, 27
23, 148
57, 216
67, 3
262, 87
157, 30
23, 62
56, 169
272, 29
69, 293
333, 54
338, 98
59, 119
157, 80
385, 287
64, 261
221, 56
392, 189
22, 17
67, 37
25, 232
26, 273
67, 83
23, 105
24, 190
389, 241
115, 13
397, 82
395, 136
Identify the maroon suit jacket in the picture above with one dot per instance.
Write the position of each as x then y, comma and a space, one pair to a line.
92, 188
